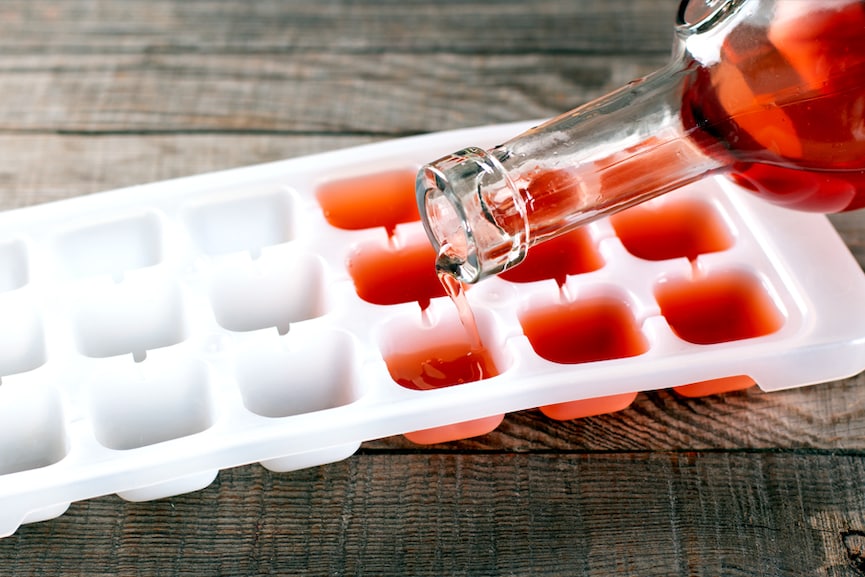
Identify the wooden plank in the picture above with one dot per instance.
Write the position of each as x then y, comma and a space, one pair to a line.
380, 94
372, 68
272, 26
851, 227
37, 168
692, 513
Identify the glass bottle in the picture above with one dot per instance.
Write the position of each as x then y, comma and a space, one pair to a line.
769, 92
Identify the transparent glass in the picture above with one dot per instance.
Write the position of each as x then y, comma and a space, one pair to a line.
769, 92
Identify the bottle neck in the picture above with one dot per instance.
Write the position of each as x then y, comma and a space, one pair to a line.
483, 210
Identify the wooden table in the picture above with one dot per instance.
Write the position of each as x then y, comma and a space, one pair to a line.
95, 95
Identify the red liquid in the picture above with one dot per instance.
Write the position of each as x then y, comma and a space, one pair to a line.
456, 291
584, 331
718, 308
454, 362
455, 432
384, 199
389, 275
588, 407
685, 228
444, 366
716, 386
570, 254
788, 105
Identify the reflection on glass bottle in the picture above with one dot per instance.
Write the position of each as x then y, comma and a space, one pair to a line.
768, 92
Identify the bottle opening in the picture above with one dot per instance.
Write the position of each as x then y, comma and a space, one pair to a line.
701, 15
472, 215
445, 223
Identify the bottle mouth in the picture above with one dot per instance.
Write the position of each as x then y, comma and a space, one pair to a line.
699, 16
445, 223
472, 214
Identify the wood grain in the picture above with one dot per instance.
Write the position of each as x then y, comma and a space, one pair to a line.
321, 93
336, 26
829, 416
37, 168
97, 95
638, 513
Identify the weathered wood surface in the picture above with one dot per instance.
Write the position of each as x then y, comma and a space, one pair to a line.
564, 513
96, 95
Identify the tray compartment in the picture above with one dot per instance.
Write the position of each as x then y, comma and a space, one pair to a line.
378, 199
396, 270
244, 220
669, 228
432, 352
600, 326
299, 373
131, 317
22, 333
14, 267
571, 254
110, 247
720, 306
135, 405
278, 289
32, 427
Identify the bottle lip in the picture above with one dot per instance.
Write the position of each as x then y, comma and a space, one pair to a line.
695, 17
464, 200
444, 221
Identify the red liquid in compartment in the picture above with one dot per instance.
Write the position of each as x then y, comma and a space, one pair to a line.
453, 361
789, 106
684, 228
567, 255
385, 274
594, 329
383, 199
442, 366
461, 358
718, 308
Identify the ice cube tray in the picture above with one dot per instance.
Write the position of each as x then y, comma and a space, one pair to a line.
154, 335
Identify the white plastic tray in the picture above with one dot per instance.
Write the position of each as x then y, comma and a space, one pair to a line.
154, 335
